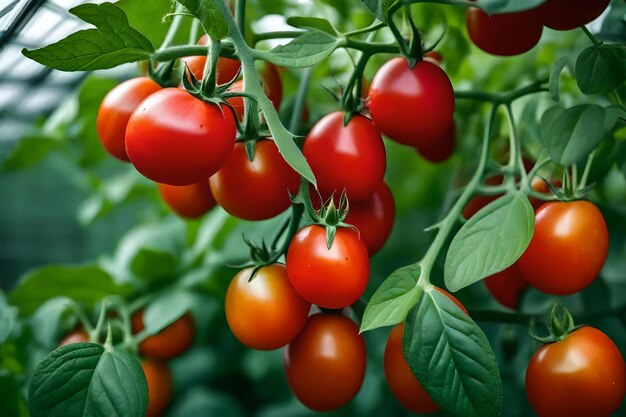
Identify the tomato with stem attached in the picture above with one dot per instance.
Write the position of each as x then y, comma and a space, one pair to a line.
159, 381
570, 14
169, 342
226, 69
507, 286
189, 201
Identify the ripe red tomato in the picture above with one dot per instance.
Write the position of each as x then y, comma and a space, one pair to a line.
325, 363
411, 106
434, 57
507, 286
540, 186
570, 14
174, 138
159, 380
257, 189
190, 201
115, 110
330, 278
582, 375
568, 248
265, 313
504, 34
226, 68
441, 149
273, 89
171, 341
78, 336
350, 158
272, 84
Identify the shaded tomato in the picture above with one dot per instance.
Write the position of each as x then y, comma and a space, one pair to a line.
174, 138
434, 57
159, 380
237, 103
568, 248
350, 158
78, 336
570, 14
330, 278
265, 313
507, 286
582, 375
411, 106
257, 189
226, 69
479, 201
190, 201
115, 111
169, 342
325, 363
442, 148
272, 84
453, 298
540, 186
504, 34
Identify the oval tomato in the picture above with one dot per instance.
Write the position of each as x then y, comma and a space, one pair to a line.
257, 189
325, 363
411, 106
441, 149
568, 248
171, 341
115, 110
330, 278
174, 138
582, 375
350, 158
79, 336
504, 34
226, 69
265, 313
159, 380
507, 286
570, 14
189, 201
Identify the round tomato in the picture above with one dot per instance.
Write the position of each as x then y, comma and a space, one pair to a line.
440, 150
115, 110
570, 14
350, 158
257, 189
159, 380
507, 286
330, 278
325, 363
79, 336
265, 313
568, 249
190, 201
174, 138
411, 106
226, 68
504, 34
171, 341
582, 375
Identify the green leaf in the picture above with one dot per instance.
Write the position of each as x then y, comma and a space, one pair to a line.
209, 15
304, 51
393, 300
12, 404
85, 379
147, 18
46, 321
315, 23
113, 43
8, 317
555, 76
601, 68
450, 355
165, 310
29, 151
491, 241
569, 135
507, 6
86, 284
380, 8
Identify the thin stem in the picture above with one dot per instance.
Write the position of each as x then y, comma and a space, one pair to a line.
283, 34
592, 38
497, 316
240, 16
84, 320
298, 105
175, 52
294, 225
585, 177
173, 29
516, 161
503, 98
193, 32
371, 47
368, 29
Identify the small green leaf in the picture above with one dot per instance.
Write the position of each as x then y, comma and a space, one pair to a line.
450, 355
210, 15
601, 68
304, 51
380, 8
165, 310
315, 23
555, 76
393, 299
491, 241
147, 18
29, 151
113, 43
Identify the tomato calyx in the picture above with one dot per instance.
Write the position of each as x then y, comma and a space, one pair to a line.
560, 325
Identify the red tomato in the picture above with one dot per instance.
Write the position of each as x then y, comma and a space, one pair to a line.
159, 380
434, 57
226, 69
580, 376
441, 149
171, 341
79, 336
174, 138
350, 158
330, 278
115, 110
236, 103
257, 189
540, 186
190, 201
272, 83
570, 14
504, 34
411, 106
265, 313
507, 286
325, 363
568, 248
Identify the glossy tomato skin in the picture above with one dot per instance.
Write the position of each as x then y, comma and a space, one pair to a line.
507, 286
411, 106
79, 336
580, 376
568, 248
441, 149
265, 313
170, 342
226, 69
188, 201
257, 189
159, 380
570, 14
325, 363
505, 34
331, 278
115, 110
173, 138
350, 158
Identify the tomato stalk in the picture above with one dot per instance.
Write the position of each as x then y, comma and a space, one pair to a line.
82, 317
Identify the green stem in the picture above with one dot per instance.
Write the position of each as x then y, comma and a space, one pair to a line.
298, 105
84, 320
282, 34
294, 225
193, 32
175, 52
240, 16
516, 162
497, 316
503, 98
368, 29
592, 38
371, 48
173, 29
585, 177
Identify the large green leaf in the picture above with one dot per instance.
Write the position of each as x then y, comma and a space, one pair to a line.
210, 15
601, 68
304, 51
316, 23
147, 18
